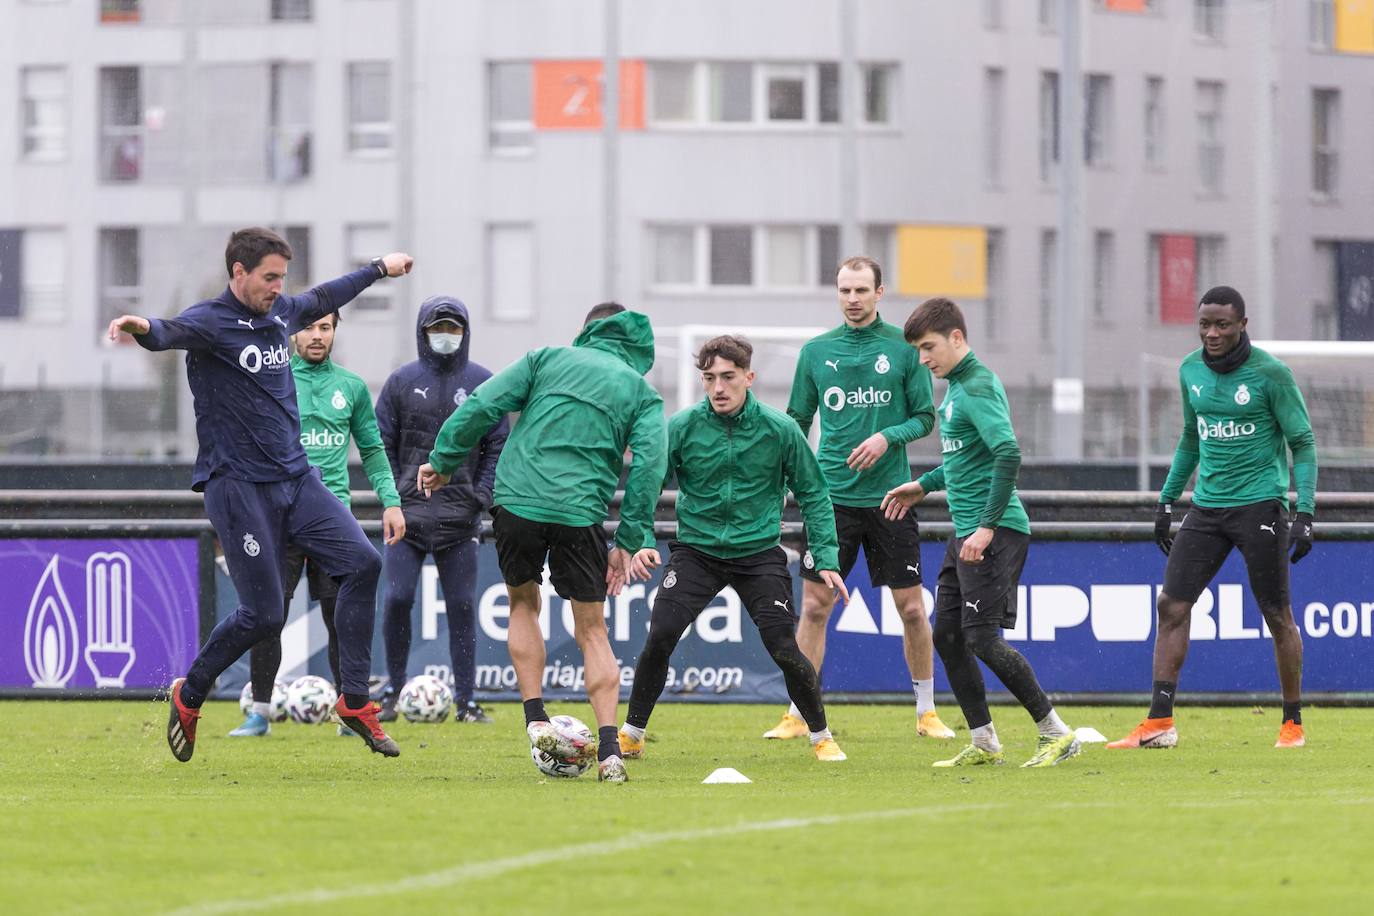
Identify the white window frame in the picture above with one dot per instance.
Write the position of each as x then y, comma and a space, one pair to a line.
1104, 274
760, 71
110, 134
360, 129
758, 265
1210, 109
378, 301
1326, 119
1049, 115
1156, 121
494, 299
509, 127
32, 297
60, 132
1321, 25
891, 75
130, 298
1098, 117
1048, 280
1209, 21
1211, 263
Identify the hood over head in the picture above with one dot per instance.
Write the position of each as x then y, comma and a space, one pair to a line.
433, 309
627, 335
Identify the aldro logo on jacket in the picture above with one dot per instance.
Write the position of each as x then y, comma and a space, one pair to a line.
254, 358
836, 398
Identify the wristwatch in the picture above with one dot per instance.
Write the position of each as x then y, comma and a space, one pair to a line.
380, 265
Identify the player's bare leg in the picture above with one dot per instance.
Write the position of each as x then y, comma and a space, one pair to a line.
818, 603
1288, 657
603, 684
1174, 618
919, 649
525, 641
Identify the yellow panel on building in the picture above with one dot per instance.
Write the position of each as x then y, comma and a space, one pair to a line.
942, 261
1355, 26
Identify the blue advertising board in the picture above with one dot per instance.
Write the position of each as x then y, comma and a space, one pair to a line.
1086, 622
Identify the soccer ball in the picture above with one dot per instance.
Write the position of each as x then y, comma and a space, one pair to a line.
574, 734
424, 698
309, 699
278, 713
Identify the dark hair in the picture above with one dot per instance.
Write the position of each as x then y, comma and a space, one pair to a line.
859, 262
940, 315
249, 246
1224, 295
602, 310
727, 346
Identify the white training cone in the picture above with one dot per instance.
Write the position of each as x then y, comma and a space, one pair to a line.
1090, 735
725, 774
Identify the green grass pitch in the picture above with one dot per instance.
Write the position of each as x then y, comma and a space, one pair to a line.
96, 817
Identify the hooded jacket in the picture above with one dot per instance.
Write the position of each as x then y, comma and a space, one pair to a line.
414, 403
581, 407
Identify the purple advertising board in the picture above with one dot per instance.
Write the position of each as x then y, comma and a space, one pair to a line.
85, 614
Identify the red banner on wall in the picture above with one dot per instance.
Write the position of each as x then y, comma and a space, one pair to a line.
567, 95
1177, 278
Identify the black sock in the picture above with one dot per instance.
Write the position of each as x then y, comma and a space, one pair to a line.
356, 700
1162, 699
189, 698
1292, 712
607, 742
534, 711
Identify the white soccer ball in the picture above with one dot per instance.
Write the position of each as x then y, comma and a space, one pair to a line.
278, 713
424, 698
579, 753
309, 699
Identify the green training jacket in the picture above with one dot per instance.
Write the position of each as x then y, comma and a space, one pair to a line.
863, 381
1235, 428
979, 457
733, 474
336, 405
580, 408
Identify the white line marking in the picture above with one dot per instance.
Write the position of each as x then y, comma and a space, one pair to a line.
633, 842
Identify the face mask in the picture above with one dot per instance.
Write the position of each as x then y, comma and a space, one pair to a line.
444, 344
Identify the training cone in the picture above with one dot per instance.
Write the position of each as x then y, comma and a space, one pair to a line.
725, 774
1089, 735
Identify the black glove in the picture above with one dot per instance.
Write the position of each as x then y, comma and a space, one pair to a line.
1164, 518
1300, 536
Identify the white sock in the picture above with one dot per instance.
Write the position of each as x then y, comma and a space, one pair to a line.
818, 737
263, 709
925, 694
985, 737
635, 733
794, 711
1052, 725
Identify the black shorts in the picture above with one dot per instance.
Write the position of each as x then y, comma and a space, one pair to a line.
576, 556
1259, 530
322, 587
692, 579
976, 594
892, 549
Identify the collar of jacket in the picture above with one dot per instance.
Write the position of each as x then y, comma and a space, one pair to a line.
746, 416
301, 364
963, 367
872, 328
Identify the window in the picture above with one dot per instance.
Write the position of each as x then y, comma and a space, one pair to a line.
119, 274
116, 11
1211, 263
879, 243
786, 256
289, 155
44, 106
672, 92
730, 88
121, 120
1209, 19
994, 104
1154, 121
299, 273
33, 284
994, 16
1097, 120
369, 106
1153, 269
828, 93
1326, 121
510, 100
997, 269
511, 271
1049, 125
1104, 274
1326, 293
785, 91
1321, 24
674, 256
1048, 15
1211, 149
827, 254
731, 255
879, 82
290, 10
1049, 280
363, 243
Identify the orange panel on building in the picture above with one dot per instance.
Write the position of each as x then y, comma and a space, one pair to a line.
1126, 6
567, 94
1177, 279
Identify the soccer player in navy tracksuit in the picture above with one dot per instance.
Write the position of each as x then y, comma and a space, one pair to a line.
414, 403
260, 492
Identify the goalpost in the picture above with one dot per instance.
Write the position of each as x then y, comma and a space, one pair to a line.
1337, 382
